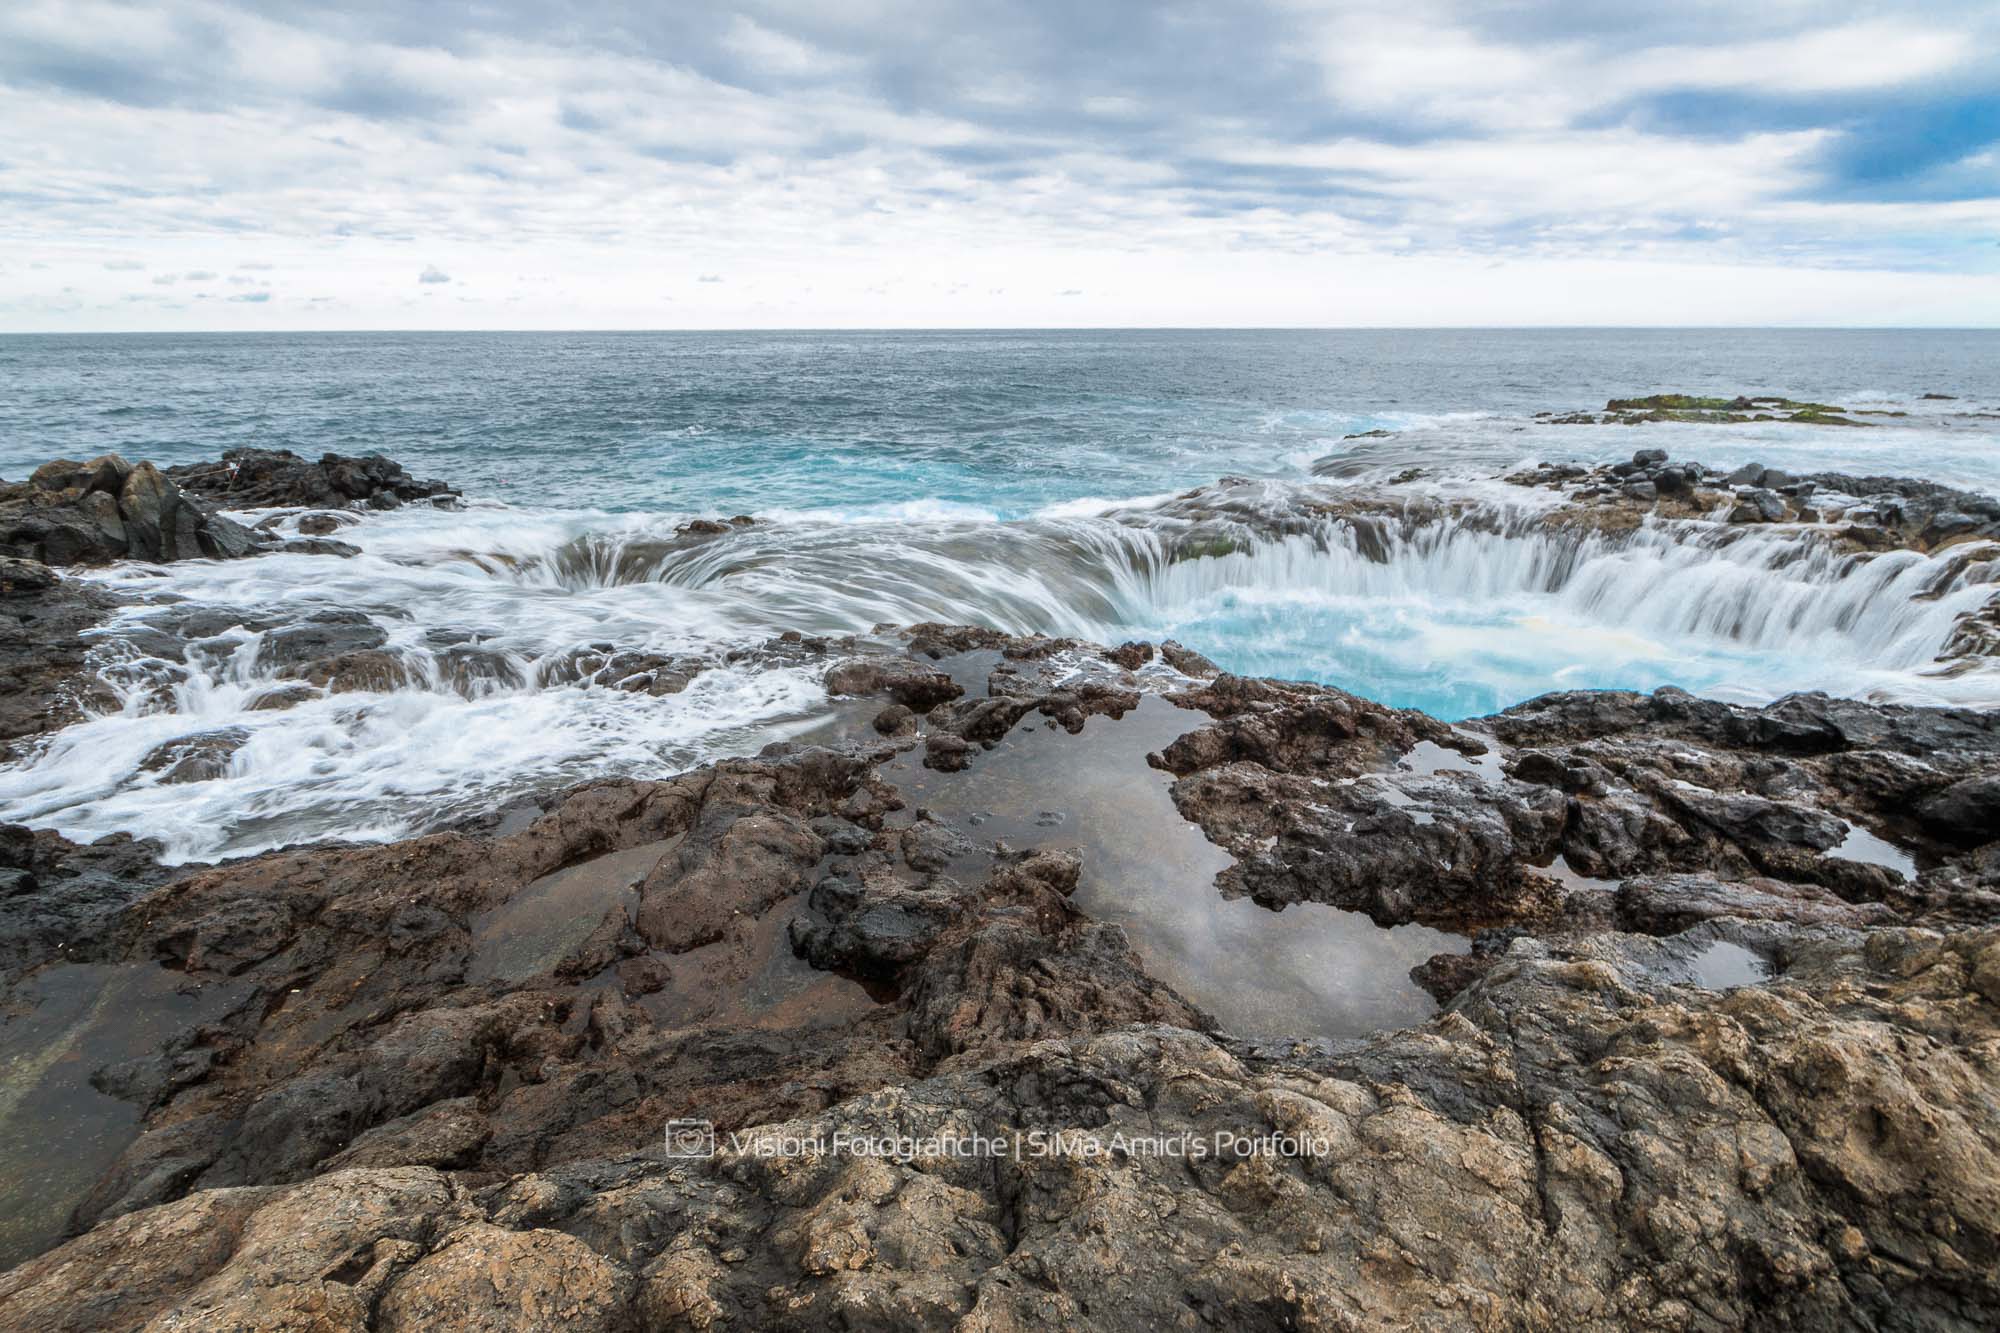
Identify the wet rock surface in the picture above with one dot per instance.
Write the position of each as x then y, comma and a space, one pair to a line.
43, 651
1717, 1051
1861, 513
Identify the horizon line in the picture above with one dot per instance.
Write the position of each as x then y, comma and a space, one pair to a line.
1026, 328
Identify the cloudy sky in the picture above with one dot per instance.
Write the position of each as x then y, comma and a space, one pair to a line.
259, 164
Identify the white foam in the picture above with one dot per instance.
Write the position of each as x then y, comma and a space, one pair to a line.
1492, 597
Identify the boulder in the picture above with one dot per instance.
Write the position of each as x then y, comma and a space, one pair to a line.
1757, 504
1968, 811
907, 682
71, 513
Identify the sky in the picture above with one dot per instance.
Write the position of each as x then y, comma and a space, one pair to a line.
200, 164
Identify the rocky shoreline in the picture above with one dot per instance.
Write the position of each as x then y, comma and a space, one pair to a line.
1717, 1001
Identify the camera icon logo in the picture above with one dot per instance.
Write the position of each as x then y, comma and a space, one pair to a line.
690, 1138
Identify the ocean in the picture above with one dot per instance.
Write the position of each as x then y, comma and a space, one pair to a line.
1022, 480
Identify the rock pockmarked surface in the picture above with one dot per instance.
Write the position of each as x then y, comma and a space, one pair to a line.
426, 1106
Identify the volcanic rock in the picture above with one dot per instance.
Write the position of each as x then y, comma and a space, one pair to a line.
380, 1125
72, 513
267, 478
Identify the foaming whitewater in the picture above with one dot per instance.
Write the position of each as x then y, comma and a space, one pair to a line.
1457, 608
521, 649
1469, 613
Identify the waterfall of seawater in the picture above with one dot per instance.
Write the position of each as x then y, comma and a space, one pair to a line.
499, 630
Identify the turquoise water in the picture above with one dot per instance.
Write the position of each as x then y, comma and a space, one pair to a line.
1021, 480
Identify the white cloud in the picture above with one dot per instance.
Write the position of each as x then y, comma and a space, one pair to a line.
776, 52
812, 156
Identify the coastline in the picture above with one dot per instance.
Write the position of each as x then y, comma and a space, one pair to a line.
1714, 1030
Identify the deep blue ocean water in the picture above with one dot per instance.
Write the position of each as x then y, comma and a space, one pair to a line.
1024, 480
1005, 421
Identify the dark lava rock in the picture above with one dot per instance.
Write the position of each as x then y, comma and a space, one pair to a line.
92, 513
606, 666
43, 685
65, 896
1758, 505
1187, 661
895, 720
1967, 811
1675, 480
268, 478
1669, 904
316, 546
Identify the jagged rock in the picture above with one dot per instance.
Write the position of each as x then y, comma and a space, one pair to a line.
369, 669
895, 720
1131, 656
1669, 904
267, 478
1757, 505
319, 525
1188, 662
42, 651
607, 666
316, 546
71, 513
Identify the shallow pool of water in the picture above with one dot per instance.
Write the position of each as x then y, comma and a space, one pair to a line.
1307, 971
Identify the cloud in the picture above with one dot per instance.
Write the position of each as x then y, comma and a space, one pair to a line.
124, 266
837, 147
252, 297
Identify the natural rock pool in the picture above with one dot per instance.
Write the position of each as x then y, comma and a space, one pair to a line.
1309, 970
